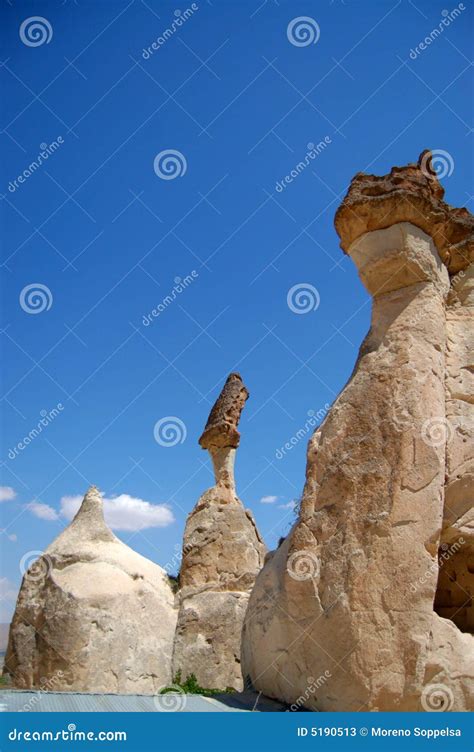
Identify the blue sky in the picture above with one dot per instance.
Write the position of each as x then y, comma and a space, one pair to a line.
107, 237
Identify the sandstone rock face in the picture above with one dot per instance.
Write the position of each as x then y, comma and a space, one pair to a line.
222, 554
455, 593
408, 194
367, 603
92, 615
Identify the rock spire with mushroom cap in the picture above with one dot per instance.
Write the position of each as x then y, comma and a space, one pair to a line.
389, 479
222, 554
221, 437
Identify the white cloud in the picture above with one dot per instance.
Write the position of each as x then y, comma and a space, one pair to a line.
11, 537
7, 493
291, 505
124, 512
268, 499
43, 511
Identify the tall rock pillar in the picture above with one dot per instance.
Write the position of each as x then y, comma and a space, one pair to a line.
222, 555
367, 604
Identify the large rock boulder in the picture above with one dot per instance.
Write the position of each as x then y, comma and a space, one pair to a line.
92, 615
222, 554
367, 605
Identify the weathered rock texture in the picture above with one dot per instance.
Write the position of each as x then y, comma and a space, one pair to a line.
367, 605
222, 554
92, 615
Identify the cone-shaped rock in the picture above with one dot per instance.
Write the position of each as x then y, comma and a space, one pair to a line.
92, 615
368, 603
222, 554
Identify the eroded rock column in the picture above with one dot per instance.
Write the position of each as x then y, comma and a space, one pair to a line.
341, 617
222, 554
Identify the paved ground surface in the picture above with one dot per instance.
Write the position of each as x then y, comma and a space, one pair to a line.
72, 702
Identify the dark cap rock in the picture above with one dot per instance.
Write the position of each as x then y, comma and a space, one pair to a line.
221, 427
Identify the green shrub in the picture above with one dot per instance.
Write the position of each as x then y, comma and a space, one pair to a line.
191, 687
173, 580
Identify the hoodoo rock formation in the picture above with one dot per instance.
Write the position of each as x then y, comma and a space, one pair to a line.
92, 615
222, 554
371, 591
